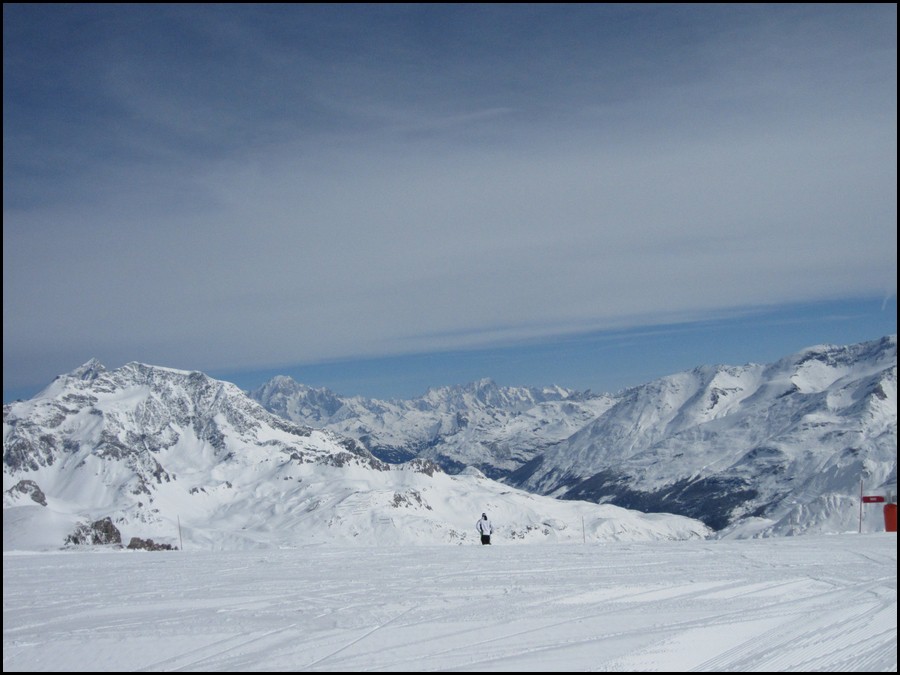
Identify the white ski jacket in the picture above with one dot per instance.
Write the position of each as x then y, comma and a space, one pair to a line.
484, 526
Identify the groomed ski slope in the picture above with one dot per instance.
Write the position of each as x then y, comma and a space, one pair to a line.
812, 603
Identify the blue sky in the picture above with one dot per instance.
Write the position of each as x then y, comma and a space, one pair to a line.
382, 198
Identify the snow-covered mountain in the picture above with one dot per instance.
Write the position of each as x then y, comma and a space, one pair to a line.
495, 429
777, 448
762, 449
162, 455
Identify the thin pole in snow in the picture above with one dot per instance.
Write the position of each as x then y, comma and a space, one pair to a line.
583, 535
180, 540
860, 504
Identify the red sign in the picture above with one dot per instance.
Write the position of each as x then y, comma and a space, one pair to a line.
870, 499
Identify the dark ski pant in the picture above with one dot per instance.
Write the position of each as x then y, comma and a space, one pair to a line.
485, 539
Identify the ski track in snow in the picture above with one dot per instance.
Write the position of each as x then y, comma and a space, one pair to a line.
813, 603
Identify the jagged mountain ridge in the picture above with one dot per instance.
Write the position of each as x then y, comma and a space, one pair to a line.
782, 446
150, 409
773, 449
153, 449
496, 429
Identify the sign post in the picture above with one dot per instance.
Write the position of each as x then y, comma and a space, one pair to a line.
866, 499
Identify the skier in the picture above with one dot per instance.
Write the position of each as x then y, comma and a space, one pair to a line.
485, 528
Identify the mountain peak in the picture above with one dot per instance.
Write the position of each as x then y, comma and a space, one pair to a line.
89, 370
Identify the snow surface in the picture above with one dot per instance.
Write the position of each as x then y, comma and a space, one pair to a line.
812, 603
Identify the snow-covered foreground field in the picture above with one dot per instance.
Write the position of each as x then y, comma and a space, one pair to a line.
814, 603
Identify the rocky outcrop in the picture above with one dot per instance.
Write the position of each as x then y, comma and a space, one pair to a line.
138, 544
99, 533
30, 488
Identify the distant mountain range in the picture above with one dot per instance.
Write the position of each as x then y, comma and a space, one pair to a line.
165, 456
753, 449
157, 457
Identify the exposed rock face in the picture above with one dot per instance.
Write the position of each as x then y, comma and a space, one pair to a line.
99, 533
30, 488
137, 543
